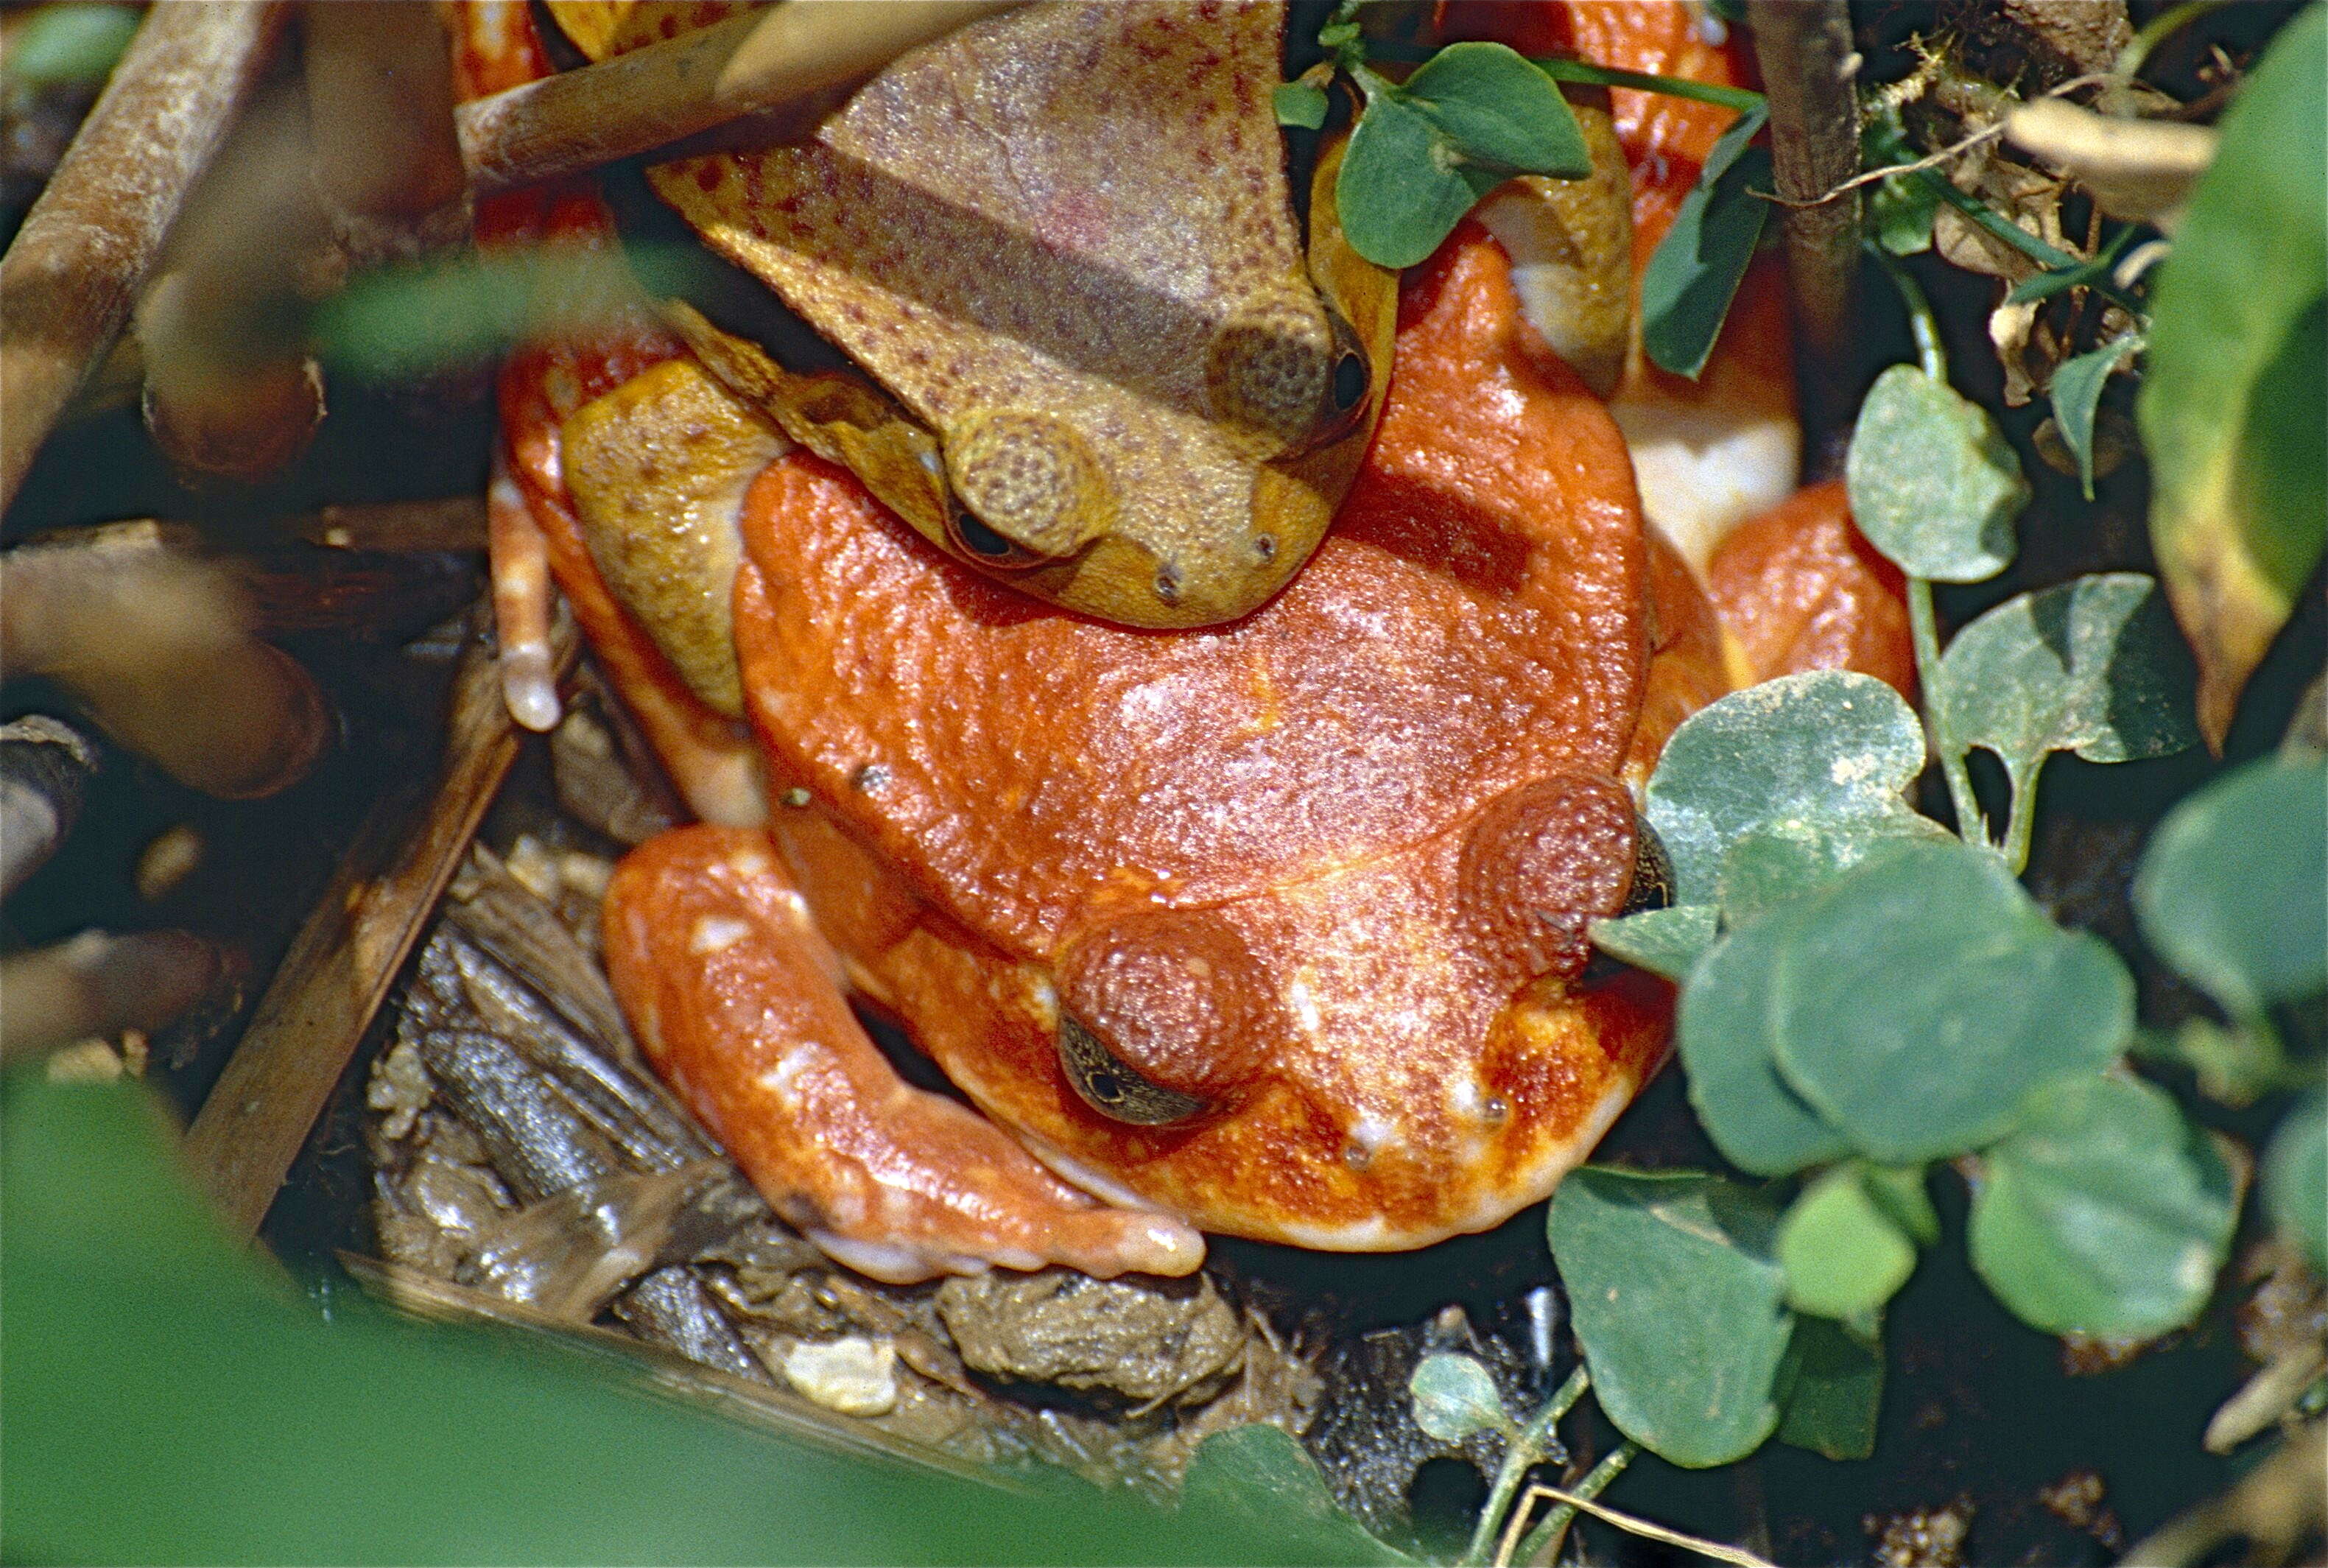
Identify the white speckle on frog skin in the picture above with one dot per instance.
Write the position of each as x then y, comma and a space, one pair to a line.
715, 934
1304, 1006
779, 1079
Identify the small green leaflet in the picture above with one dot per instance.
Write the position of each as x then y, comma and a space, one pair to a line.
1724, 1029
1299, 103
2076, 393
1934, 484
2093, 666
1470, 117
1454, 1398
2096, 269
2235, 389
1664, 941
1836, 1391
2104, 1213
2228, 892
1826, 748
1918, 1000
1679, 1305
1691, 275
1844, 1256
1263, 1473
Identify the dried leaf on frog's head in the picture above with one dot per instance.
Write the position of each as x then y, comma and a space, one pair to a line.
1061, 238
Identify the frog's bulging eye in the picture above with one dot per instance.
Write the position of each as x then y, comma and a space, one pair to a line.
1653, 872
1113, 1089
1028, 480
988, 548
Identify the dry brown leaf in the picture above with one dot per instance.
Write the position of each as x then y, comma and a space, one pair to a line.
2139, 171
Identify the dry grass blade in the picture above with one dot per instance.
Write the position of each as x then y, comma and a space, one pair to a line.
75, 269
1630, 1525
753, 65
343, 960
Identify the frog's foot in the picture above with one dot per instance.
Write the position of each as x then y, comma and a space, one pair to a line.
736, 999
522, 606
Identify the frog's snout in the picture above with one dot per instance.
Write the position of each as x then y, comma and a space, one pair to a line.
1542, 860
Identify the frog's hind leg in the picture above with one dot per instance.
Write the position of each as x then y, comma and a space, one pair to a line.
736, 999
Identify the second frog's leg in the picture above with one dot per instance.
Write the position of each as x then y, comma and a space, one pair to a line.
736, 999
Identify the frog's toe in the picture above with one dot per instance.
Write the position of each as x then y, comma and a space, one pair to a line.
734, 997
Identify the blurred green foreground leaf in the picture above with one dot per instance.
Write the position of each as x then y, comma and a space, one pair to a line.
162, 1404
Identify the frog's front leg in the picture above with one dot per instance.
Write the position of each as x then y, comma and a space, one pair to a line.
736, 999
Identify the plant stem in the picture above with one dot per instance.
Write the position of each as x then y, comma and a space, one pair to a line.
1993, 222
1520, 1456
1922, 325
1804, 48
1920, 622
2158, 30
1556, 1522
2020, 817
1737, 97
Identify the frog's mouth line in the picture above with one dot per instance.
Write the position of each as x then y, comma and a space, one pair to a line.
1374, 1233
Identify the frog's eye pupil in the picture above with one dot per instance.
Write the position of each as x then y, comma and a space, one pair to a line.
980, 540
1349, 381
1113, 1089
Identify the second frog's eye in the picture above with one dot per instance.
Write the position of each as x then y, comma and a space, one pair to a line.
1346, 384
1112, 1088
986, 547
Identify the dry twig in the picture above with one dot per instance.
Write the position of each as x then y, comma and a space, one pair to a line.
753, 65
77, 265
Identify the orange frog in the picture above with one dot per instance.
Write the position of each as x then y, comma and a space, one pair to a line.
1275, 928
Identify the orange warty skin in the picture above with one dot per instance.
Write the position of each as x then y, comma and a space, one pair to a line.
1373, 818
1801, 590
1323, 873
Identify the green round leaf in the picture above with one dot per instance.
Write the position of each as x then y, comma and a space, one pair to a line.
1397, 199
1918, 1000
2104, 1213
2296, 1178
2094, 666
1829, 750
2234, 392
1898, 1191
1836, 1392
2229, 891
1934, 484
1843, 1255
1693, 275
1495, 109
1769, 866
1724, 1029
1454, 1398
1664, 941
1679, 1305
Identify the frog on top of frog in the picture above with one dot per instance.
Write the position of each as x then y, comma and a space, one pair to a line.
1236, 869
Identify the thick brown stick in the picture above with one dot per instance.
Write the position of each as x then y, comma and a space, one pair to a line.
1804, 48
749, 64
343, 960
379, 96
76, 267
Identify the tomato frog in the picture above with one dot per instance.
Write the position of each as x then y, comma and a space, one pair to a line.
1275, 927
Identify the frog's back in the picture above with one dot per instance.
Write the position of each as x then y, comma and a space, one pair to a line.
1473, 622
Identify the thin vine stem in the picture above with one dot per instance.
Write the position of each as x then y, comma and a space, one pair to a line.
1737, 98
1555, 1522
1923, 623
2021, 818
1521, 1454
